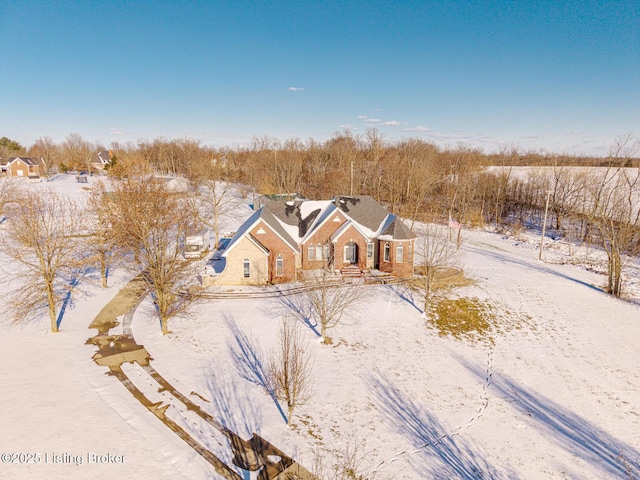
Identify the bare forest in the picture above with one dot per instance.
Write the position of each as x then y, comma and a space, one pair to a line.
417, 180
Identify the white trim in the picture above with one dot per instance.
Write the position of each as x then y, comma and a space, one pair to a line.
373, 250
327, 214
344, 227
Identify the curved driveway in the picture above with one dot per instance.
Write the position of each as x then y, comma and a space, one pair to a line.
116, 349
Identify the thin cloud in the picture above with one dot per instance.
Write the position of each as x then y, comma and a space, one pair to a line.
362, 117
419, 128
296, 89
115, 131
347, 126
391, 123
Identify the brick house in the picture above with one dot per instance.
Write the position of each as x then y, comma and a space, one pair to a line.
349, 234
24, 167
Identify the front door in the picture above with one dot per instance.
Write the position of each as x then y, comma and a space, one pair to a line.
351, 253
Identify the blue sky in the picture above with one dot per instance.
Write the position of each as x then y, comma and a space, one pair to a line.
559, 76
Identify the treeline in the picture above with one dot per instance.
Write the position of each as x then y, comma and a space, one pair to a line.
413, 178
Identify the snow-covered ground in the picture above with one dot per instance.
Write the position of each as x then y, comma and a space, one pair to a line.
555, 392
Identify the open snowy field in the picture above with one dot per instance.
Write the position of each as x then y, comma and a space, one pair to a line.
552, 390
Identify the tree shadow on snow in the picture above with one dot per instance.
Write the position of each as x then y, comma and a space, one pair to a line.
231, 407
530, 264
299, 307
249, 361
437, 453
575, 434
406, 294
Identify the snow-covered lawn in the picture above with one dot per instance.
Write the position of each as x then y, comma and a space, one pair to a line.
552, 392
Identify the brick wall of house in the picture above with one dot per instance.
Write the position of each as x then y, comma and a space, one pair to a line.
393, 266
267, 237
351, 235
18, 169
321, 237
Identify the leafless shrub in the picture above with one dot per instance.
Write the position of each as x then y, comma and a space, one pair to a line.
289, 367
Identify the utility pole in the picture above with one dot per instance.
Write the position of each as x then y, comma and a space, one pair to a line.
351, 194
544, 223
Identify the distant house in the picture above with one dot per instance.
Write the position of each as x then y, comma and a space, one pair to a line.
25, 167
349, 234
275, 197
100, 160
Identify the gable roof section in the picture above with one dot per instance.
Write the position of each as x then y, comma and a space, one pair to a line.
257, 243
344, 227
26, 160
103, 157
267, 218
362, 209
326, 215
242, 231
272, 222
397, 230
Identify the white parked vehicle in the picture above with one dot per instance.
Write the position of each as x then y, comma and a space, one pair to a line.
197, 244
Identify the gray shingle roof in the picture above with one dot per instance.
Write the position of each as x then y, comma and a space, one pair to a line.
362, 209
398, 230
289, 213
26, 160
269, 218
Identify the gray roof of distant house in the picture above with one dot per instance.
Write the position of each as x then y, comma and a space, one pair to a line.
27, 160
104, 156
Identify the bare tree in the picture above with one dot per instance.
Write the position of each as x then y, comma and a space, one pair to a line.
434, 255
77, 152
615, 214
212, 193
41, 236
9, 190
329, 298
289, 367
46, 150
287, 167
100, 243
151, 222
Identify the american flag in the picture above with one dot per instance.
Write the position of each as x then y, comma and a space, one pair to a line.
453, 223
